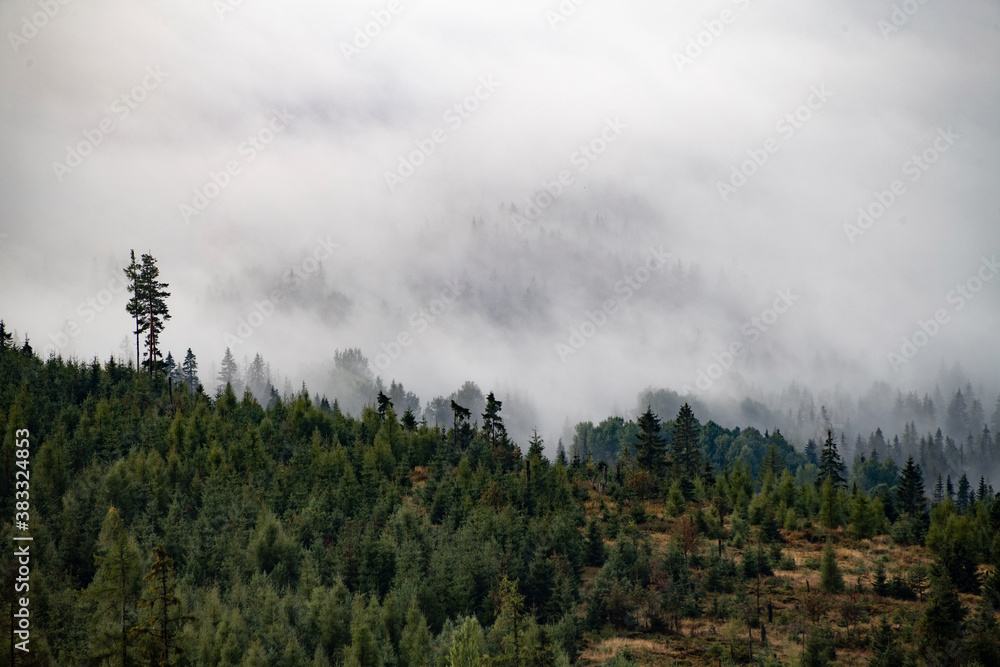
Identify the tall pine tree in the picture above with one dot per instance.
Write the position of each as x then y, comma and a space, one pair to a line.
649, 445
910, 491
830, 464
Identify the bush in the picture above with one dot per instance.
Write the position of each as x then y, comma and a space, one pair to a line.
819, 650
786, 563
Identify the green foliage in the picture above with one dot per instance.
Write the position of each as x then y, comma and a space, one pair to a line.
830, 578
819, 650
468, 648
943, 615
292, 530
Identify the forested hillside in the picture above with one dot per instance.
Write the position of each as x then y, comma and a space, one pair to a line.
171, 526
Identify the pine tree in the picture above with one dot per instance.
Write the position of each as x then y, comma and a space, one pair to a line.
943, 614
560, 451
831, 466
493, 426
384, 404
460, 430
409, 420
810, 452
172, 370
468, 645
830, 579
962, 501
258, 381
594, 551
229, 372
164, 615
6, 339
886, 649
910, 492
938, 491
148, 306
134, 307
115, 592
189, 371
958, 416
415, 642
508, 631
649, 445
687, 455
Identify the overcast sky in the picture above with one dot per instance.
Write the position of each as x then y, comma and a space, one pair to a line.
115, 116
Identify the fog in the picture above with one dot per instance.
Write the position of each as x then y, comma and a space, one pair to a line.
582, 201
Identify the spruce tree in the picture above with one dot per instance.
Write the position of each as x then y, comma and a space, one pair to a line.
831, 466
687, 455
189, 370
163, 618
6, 339
943, 614
115, 592
493, 426
962, 501
810, 452
910, 492
649, 444
830, 579
229, 372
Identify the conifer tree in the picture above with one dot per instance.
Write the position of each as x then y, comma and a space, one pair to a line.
148, 306
943, 614
493, 426
134, 307
189, 370
810, 452
830, 581
415, 642
384, 404
115, 592
229, 372
687, 455
649, 444
164, 617
962, 500
910, 492
831, 466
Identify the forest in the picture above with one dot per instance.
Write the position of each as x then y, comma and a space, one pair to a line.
174, 526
